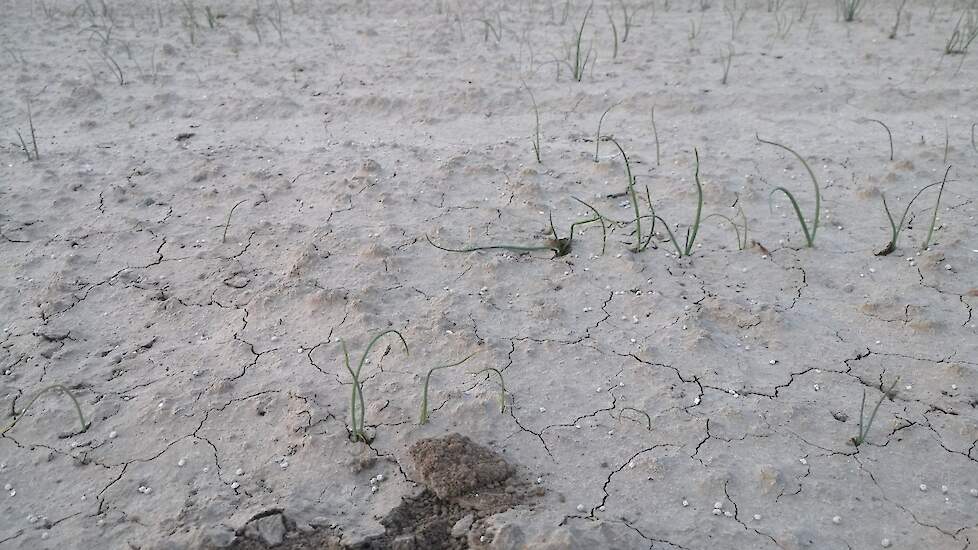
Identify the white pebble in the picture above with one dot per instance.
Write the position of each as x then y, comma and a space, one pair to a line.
716, 511
885, 543
836, 520
685, 503
113, 434
757, 517
235, 485
580, 508
380, 477
717, 505
239, 471
923, 486
973, 492
181, 462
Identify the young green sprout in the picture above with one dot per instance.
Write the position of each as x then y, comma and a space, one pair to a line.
850, 9
597, 136
423, 418
357, 408
536, 129
896, 228
630, 190
56, 387
579, 65
561, 246
643, 413
502, 387
693, 230
864, 427
937, 207
809, 232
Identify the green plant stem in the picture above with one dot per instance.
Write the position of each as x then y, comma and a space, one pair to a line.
809, 236
58, 387
502, 386
937, 207
423, 418
691, 236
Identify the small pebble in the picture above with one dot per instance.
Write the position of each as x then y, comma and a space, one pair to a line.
181, 462
973, 492
717, 505
580, 508
885, 543
943, 488
757, 517
923, 486
836, 520
235, 485
685, 503
113, 434
716, 511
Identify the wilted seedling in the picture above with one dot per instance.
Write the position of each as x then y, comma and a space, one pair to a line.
227, 224
888, 132
864, 428
597, 136
423, 418
896, 228
742, 239
357, 426
56, 387
502, 387
643, 413
809, 233
561, 246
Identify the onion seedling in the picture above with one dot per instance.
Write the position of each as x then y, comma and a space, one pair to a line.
357, 429
896, 228
809, 232
56, 387
423, 418
864, 428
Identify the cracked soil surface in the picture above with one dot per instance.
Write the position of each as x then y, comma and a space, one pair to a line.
204, 346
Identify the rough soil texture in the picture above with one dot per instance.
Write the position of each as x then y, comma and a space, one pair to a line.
203, 344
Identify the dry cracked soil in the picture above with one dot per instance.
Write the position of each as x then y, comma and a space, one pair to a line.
200, 200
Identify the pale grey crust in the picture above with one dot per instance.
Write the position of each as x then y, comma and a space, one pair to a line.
365, 130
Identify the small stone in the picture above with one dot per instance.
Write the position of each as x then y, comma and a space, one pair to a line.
271, 529
113, 434
181, 462
581, 508
885, 543
943, 488
462, 526
836, 520
757, 517
235, 485
716, 512
923, 486
238, 472
685, 503
717, 505
728, 513
973, 492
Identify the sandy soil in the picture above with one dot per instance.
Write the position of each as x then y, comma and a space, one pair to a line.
211, 368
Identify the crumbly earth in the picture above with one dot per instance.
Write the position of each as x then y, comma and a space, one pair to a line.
223, 191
